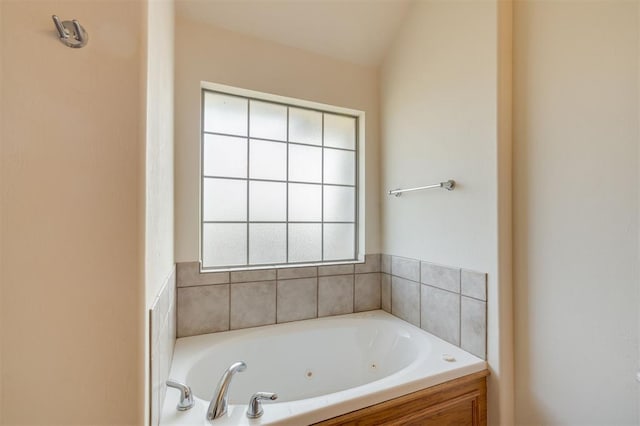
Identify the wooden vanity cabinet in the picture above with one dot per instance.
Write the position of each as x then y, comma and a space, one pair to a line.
461, 401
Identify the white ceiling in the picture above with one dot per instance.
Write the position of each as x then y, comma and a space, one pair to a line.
357, 31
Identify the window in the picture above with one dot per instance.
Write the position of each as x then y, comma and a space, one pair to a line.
280, 181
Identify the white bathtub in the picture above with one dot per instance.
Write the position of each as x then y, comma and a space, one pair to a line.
319, 368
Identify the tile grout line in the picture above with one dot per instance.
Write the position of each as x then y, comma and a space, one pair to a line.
353, 275
460, 311
353, 286
391, 285
420, 294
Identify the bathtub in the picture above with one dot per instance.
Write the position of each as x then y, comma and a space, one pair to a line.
320, 368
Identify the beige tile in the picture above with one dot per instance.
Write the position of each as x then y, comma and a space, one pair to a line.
473, 327
335, 295
405, 300
171, 326
371, 264
441, 313
203, 309
367, 292
253, 304
385, 263
335, 270
155, 324
473, 284
251, 276
385, 292
155, 387
163, 332
188, 274
297, 299
171, 290
405, 268
165, 356
160, 309
440, 276
291, 273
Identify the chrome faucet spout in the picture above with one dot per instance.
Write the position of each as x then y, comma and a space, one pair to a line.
219, 403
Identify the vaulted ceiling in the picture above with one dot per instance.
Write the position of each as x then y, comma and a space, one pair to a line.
357, 31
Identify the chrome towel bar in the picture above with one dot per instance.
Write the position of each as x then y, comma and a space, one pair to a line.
448, 185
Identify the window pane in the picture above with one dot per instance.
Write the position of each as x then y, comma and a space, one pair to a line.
304, 242
225, 114
339, 204
267, 201
305, 126
339, 131
224, 244
305, 163
305, 202
339, 167
225, 156
339, 241
268, 120
267, 243
224, 200
268, 160
271, 174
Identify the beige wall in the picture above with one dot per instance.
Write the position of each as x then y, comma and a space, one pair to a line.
205, 53
159, 239
439, 111
159, 152
2, 214
576, 212
71, 201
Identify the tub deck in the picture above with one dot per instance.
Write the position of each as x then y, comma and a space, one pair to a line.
431, 362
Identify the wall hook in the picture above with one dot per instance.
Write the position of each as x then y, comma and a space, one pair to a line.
71, 33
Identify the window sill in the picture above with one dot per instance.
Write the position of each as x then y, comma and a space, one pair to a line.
279, 266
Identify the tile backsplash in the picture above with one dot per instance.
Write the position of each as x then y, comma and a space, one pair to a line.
446, 301
162, 338
220, 301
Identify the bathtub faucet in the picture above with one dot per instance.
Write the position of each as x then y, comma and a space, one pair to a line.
219, 403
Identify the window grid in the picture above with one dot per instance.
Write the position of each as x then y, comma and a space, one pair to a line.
286, 210
248, 179
322, 193
278, 141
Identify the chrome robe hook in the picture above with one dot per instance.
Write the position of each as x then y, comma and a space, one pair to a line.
71, 33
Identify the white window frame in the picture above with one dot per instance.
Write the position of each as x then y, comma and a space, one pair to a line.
294, 102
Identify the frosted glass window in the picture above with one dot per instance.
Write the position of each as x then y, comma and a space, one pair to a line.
305, 126
224, 156
267, 201
267, 243
339, 167
268, 160
225, 114
305, 202
339, 241
268, 120
305, 163
224, 200
305, 242
339, 131
339, 204
278, 181
224, 244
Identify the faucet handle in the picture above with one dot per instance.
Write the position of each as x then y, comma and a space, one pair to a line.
255, 409
186, 396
